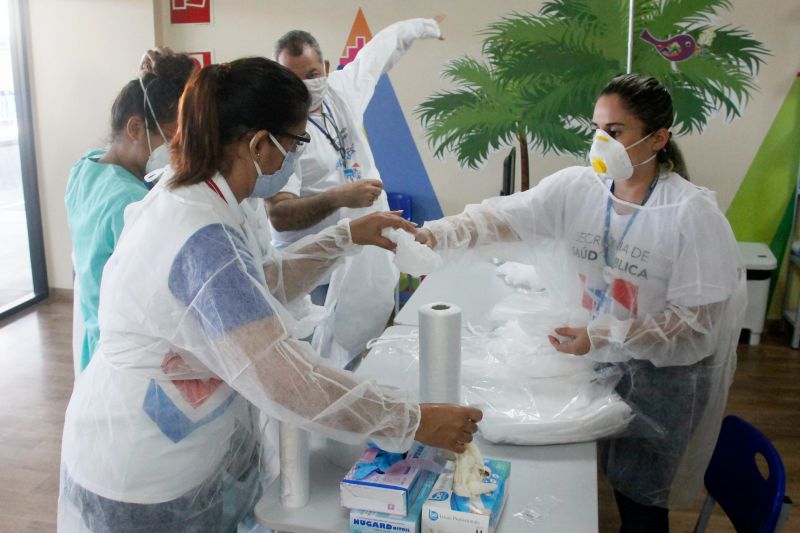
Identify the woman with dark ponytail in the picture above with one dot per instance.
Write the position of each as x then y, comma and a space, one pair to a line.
105, 181
654, 282
162, 432
651, 103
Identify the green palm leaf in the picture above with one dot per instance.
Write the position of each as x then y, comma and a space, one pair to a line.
692, 108
737, 46
676, 15
542, 73
479, 116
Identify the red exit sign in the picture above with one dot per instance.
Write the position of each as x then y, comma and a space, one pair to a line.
190, 12
201, 59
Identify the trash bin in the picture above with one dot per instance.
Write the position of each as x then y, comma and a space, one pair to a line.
760, 264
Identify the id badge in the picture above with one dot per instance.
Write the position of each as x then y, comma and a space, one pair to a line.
349, 174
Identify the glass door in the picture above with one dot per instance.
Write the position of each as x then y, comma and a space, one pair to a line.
23, 278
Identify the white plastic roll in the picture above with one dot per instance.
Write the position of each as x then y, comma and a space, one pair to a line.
341, 454
294, 467
440, 353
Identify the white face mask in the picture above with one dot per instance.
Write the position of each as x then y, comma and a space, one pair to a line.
318, 89
609, 158
159, 158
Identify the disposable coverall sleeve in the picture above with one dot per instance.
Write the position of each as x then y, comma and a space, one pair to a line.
359, 77
528, 215
705, 292
291, 273
227, 304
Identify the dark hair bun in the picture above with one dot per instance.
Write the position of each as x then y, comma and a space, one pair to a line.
164, 76
170, 68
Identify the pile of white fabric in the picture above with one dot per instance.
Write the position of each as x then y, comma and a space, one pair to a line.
529, 392
520, 276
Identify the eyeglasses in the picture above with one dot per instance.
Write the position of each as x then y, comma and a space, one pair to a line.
299, 140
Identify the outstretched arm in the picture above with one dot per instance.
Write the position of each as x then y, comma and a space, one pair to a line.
359, 77
293, 272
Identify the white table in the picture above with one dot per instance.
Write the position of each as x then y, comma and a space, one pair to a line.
323, 514
474, 288
562, 476
557, 482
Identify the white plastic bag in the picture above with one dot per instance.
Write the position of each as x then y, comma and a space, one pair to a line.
410, 256
520, 276
360, 298
529, 392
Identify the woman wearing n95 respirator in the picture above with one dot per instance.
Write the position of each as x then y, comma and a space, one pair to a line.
104, 182
653, 266
162, 432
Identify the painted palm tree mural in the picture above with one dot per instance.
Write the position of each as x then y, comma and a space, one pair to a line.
538, 81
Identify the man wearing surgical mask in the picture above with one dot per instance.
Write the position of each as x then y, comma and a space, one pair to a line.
337, 176
105, 181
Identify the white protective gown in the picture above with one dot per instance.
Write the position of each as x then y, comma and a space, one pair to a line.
162, 432
668, 311
361, 294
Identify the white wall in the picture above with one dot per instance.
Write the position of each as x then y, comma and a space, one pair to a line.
717, 158
250, 27
85, 50
81, 54
720, 156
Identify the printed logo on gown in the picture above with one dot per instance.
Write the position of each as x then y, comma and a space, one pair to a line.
621, 294
180, 406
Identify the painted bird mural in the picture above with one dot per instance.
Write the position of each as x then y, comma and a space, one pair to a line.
678, 48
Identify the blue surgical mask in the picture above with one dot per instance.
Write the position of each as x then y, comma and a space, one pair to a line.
268, 185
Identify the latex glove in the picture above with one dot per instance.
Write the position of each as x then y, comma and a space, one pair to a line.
381, 462
470, 472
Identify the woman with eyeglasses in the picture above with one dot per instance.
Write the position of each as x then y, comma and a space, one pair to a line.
162, 432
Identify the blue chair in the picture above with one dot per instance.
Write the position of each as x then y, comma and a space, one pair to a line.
754, 503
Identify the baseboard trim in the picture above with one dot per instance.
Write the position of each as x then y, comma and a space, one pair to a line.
60, 295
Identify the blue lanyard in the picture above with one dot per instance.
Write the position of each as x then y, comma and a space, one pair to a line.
340, 148
607, 225
606, 236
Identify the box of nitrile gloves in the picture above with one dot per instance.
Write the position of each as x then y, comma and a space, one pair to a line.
391, 491
372, 522
446, 512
